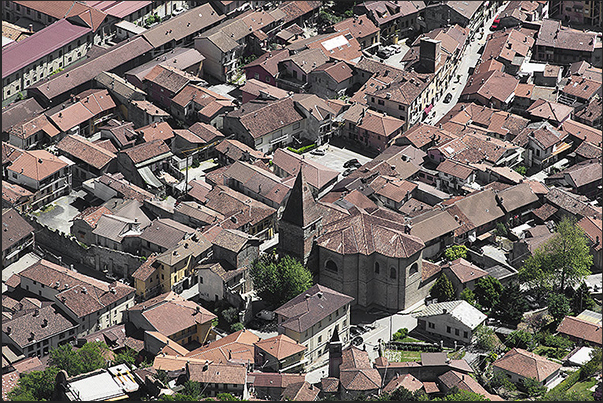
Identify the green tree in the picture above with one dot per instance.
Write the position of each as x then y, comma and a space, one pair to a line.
559, 306
456, 251
501, 230
93, 356
499, 379
193, 389
520, 339
460, 395
177, 397
400, 395
400, 334
442, 289
227, 397
278, 281
487, 291
511, 306
582, 299
231, 315
65, 357
564, 260
35, 385
235, 327
531, 387
520, 169
592, 366
127, 356
485, 339
468, 295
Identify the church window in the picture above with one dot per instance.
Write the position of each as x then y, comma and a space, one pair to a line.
414, 268
392, 273
376, 267
330, 265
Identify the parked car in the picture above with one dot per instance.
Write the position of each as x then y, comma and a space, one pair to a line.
396, 48
447, 98
317, 151
495, 23
352, 163
385, 52
348, 171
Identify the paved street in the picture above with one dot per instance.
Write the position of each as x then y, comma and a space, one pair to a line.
469, 59
335, 157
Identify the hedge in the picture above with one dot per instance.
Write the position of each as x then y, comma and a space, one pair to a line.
302, 150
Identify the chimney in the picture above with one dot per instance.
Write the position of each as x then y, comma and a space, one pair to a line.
206, 365
36, 313
31, 28
319, 294
444, 311
45, 323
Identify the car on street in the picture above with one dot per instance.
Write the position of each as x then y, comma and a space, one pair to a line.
317, 151
352, 163
396, 48
495, 23
447, 98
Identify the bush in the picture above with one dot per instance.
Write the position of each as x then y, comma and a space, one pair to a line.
501, 230
592, 366
499, 379
231, 315
303, 149
558, 341
520, 169
559, 306
531, 387
235, 327
485, 339
456, 251
400, 334
520, 339
196, 164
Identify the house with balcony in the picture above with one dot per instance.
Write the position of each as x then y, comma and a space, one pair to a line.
162, 83
395, 20
331, 79
312, 317
188, 321
198, 104
319, 117
44, 174
31, 133
279, 353
265, 67
92, 304
544, 144
491, 88
266, 125
455, 177
558, 44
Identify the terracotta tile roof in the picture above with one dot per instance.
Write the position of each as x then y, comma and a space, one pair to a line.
507, 45
198, 189
517, 196
38, 164
489, 65
552, 34
14, 228
479, 208
338, 70
315, 173
238, 346
183, 25
9, 382
106, 144
156, 131
359, 200
583, 173
300, 391
19, 112
593, 228
396, 190
64, 9
452, 379
91, 104
456, 169
261, 117
91, 215
146, 269
581, 329
173, 363
566, 200
591, 113
526, 364
170, 313
258, 88
165, 232
491, 85
406, 381
37, 124
359, 26
232, 374
10, 153
422, 134
329, 385
356, 372
28, 365
280, 346
235, 150
296, 9
466, 271
146, 151
36, 325
384, 11
257, 180
124, 188
79, 147
429, 270
273, 380
582, 87
365, 234
269, 61
14, 194
301, 313
239, 209
553, 111
545, 212
581, 131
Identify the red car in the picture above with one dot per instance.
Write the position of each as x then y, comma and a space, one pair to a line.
495, 23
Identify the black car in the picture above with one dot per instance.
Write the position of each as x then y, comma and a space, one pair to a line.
352, 163
448, 97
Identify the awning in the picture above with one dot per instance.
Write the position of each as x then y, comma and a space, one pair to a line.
149, 177
428, 109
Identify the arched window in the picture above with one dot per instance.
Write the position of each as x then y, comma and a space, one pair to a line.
392, 272
376, 267
414, 269
330, 265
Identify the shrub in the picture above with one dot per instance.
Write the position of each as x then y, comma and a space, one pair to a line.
501, 230
303, 149
520, 169
235, 327
520, 339
456, 251
499, 379
400, 334
531, 387
230, 314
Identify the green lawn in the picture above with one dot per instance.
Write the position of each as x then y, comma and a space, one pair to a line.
402, 356
583, 387
410, 340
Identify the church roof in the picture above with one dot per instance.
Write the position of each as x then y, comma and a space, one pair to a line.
301, 208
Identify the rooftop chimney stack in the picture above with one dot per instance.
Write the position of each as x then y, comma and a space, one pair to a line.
430, 51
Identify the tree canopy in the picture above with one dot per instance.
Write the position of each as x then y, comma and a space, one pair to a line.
564, 260
35, 385
511, 306
88, 358
559, 306
487, 291
442, 289
279, 280
456, 251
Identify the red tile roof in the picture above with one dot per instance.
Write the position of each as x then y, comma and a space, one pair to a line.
581, 329
280, 346
14, 229
156, 131
466, 271
527, 365
261, 118
38, 164
593, 228
146, 151
79, 147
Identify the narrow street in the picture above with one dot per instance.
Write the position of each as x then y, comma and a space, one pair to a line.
469, 59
